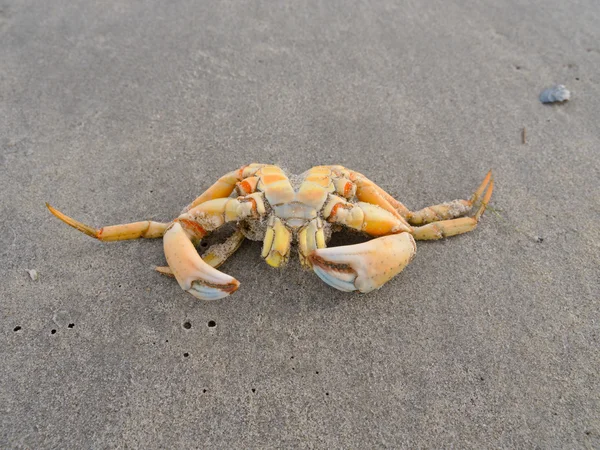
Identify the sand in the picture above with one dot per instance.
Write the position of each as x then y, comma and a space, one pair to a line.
120, 111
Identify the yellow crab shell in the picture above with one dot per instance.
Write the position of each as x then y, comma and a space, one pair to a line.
284, 210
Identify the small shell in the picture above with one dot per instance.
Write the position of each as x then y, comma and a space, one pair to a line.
33, 274
558, 93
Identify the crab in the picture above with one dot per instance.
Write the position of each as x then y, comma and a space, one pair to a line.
266, 204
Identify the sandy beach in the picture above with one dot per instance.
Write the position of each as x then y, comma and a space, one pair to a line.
120, 111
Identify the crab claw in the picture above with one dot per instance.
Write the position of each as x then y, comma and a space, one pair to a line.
364, 267
192, 273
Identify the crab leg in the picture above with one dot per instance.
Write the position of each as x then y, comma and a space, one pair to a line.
225, 185
446, 228
217, 254
193, 274
455, 208
364, 267
365, 217
222, 188
277, 243
310, 238
368, 191
145, 229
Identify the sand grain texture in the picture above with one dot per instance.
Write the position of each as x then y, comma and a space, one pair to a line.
119, 111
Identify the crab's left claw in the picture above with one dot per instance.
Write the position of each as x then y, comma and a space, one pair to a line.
192, 273
364, 267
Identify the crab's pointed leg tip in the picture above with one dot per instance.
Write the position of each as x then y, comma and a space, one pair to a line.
488, 194
55, 212
51, 208
74, 223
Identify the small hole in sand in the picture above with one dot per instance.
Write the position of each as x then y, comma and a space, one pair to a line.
71, 325
212, 323
53, 332
17, 328
186, 354
187, 325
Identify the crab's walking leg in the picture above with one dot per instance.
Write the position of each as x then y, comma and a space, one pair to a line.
365, 217
367, 191
123, 232
217, 254
455, 208
193, 274
310, 238
225, 185
452, 227
367, 266
277, 243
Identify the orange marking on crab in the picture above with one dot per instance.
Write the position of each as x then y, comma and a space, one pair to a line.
319, 180
269, 170
334, 211
192, 226
279, 192
379, 227
311, 194
321, 170
247, 186
320, 177
272, 178
348, 189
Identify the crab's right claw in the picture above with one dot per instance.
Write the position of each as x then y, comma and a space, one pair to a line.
364, 267
192, 273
